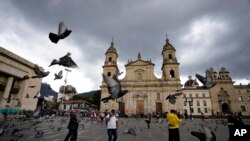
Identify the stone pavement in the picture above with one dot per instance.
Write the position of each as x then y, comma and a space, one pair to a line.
98, 132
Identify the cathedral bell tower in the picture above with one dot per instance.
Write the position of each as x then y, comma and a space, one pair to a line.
110, 65
170, 66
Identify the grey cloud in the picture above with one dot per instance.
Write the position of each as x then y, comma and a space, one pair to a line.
140, 26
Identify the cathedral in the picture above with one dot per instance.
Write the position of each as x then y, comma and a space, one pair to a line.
146, 92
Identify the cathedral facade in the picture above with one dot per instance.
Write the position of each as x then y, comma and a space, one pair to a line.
146, 92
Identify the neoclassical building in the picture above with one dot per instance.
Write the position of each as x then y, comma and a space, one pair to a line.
147, 93
16, 92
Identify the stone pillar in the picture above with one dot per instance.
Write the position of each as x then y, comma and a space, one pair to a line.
6, 91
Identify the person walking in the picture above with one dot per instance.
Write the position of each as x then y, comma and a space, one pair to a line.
5, 115
148, 120
73, 127
112, 126
173, 126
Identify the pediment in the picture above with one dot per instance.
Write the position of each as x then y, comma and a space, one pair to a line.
139, 63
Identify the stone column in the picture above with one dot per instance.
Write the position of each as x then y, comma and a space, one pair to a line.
6, 91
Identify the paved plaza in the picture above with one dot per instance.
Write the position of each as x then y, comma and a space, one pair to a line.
55, 130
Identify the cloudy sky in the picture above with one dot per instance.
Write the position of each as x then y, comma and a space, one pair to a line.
212, 33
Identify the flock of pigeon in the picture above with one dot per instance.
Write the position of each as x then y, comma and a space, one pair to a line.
23, 129
114, 85
65, 61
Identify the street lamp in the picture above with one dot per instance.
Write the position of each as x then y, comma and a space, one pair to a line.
65, 82
189, 104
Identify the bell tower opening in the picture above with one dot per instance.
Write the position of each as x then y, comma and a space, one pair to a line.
172, 74
110, 59
170, 56
109, 74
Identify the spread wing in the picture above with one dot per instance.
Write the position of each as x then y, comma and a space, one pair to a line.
68, 62
168, 97
62, 28
109, 81
114, 85
37, 70
177, 94
60, 73
209, 80
201, 78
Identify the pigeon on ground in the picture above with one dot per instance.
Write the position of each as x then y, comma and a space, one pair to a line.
1, 131
59, 75
172, 97
130, 131
63, 32
59, 128
15, 131
39, 134
65, 61
37, 111
206, 81
39, 73
114, 88
207, 135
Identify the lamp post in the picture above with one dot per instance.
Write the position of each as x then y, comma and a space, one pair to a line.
65, 82
189, 104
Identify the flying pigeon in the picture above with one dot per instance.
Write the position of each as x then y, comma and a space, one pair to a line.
59, 75
39, 73
63, 32
207, 135
114, 88
206, 81
65, 61
172, 97
25, 77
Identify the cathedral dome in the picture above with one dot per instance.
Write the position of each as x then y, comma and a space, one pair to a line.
190, 82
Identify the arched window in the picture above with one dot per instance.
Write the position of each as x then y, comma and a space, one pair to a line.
158, 96
109, 73
139, 76
172, 74
170, 56
110, 59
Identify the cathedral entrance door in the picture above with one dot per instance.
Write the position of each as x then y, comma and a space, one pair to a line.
159, 107
140, 107
122, 108
225, 107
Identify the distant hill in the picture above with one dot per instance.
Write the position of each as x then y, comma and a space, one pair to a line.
46, 90
88, 94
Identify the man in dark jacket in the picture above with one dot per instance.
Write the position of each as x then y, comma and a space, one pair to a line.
73, 127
